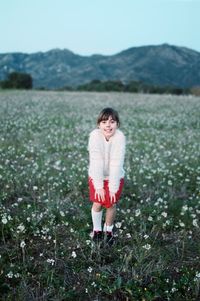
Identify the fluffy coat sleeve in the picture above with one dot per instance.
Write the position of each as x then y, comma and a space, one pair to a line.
96, 160
116, 161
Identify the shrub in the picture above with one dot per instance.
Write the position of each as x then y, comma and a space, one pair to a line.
16, 80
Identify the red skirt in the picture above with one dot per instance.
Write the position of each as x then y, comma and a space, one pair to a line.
106, 203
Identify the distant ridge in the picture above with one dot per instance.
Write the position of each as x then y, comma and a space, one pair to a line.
162, 65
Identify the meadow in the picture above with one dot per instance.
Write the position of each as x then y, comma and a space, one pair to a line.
46, 252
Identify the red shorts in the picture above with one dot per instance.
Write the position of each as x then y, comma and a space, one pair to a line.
105, 203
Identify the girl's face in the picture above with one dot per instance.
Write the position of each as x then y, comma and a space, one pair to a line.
108, 127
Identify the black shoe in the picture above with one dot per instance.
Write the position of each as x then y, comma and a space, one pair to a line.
109, 238
97, 236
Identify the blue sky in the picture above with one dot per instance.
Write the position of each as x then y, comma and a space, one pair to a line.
97, 26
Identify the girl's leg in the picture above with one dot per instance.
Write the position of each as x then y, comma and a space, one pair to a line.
110, 217
96, 217
108, 226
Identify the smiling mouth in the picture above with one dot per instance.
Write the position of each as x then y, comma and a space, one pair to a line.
108, 131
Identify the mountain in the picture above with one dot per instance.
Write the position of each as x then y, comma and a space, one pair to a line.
159, 65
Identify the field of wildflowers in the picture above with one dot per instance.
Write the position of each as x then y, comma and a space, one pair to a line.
46, 252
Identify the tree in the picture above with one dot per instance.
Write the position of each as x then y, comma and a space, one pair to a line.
195, 90
16, 80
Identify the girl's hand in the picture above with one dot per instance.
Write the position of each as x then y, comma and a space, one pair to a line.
112, 198
100, 195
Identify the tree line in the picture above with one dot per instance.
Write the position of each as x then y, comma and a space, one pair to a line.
17, 80
133, 86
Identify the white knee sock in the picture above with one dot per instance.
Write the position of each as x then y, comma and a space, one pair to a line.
107, 228
97, 219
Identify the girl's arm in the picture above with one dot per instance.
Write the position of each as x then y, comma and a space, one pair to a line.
116, 162
96, 161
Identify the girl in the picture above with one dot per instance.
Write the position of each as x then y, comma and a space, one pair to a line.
106, 173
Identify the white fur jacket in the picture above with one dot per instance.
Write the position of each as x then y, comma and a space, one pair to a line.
106, 159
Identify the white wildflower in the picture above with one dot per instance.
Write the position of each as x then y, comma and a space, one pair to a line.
197, 275
147, 246
21, 228
118, 225
10, 274
181, 224
22, 244
150, 218
184, 208
74, 254
174, 289
90, 270
4, 219
195, 223
137, 212
164, 214
51, 261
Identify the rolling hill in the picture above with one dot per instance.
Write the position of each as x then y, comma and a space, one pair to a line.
158, 65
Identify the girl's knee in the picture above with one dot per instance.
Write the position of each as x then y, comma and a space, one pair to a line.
96, 207
112, 207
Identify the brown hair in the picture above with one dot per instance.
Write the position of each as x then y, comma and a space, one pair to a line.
106, 113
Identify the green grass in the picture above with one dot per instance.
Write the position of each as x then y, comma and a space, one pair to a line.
46, 252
